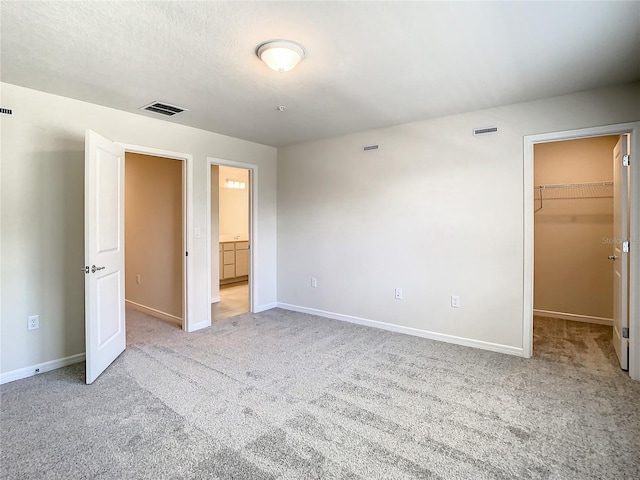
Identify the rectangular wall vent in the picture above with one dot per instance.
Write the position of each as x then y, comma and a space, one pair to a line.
485, 130
6, 111
370, 147
165, 109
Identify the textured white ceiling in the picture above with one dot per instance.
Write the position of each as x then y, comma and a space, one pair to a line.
368, 65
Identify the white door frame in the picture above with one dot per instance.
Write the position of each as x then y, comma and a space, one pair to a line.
187, 219
633, 129
253, 230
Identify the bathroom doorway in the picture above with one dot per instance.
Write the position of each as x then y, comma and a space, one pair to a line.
230, 240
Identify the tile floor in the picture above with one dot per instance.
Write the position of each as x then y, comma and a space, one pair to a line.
234, 300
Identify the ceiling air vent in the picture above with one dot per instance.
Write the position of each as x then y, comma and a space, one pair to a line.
6, 111
484, 131
165, 109
370, 147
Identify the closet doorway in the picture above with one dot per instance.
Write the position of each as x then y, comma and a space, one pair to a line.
573, 237
231, 234
625, 313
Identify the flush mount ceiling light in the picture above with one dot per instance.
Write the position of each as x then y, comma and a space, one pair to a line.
280, 55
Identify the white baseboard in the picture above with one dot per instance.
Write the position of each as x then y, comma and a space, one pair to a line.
215, 299
40, 368
574, 316
153, 312
467, 342
266, 306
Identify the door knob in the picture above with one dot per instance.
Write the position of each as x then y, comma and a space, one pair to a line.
94, 269
612, 257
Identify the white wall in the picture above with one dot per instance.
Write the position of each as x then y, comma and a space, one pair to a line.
215, 234
435, 211
42, 247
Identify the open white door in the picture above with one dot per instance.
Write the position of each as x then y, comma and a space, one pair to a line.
105, 334
620, 257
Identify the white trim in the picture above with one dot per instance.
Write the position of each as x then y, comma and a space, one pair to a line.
574, 316
200, 325
416, 332
153, 312
253, 230
633, 129
41, 367
266, 306
215, 299
187, 192
634, 255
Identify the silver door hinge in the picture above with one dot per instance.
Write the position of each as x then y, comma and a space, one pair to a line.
625, 332
625, 246
626, 160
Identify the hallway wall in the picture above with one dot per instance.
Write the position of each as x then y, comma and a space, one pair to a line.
154, 233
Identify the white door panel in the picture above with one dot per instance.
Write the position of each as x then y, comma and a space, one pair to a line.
109, 290
107, 202
104, 253
620, 258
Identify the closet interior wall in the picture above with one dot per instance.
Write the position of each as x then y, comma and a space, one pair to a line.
573, 223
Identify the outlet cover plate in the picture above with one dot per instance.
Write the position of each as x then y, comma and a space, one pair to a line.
33, 322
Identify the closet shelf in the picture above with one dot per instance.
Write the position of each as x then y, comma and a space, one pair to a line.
567, 191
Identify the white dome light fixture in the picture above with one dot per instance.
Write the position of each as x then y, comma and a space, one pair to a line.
281, 55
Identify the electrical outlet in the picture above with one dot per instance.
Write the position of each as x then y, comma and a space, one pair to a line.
138, 279
314, 282
33, 323
398, 294
455, 301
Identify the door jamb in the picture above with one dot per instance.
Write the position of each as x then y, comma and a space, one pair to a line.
187, 218
253, 230
633, 129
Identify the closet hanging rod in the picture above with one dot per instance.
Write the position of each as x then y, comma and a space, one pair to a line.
569, 191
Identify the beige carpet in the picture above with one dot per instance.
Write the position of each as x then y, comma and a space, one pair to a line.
283, 395
576, 343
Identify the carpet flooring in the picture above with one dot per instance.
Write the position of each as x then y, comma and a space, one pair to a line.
284, 395
579, 344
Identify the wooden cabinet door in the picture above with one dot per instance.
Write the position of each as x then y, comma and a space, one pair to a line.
221, 264
229, 271
242, 263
